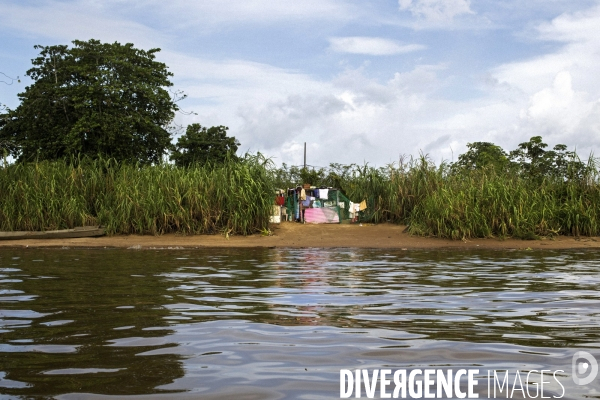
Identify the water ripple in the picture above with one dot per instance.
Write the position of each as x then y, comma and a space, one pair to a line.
273, 323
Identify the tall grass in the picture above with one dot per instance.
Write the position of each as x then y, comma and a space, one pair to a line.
483, 203
446, 202
391, 192
394, 191
237, 197
234, 197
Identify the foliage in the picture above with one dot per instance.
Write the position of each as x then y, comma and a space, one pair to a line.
483, 154
537, 163
485, 203
93, 99
391, 192
234, 197
312, 176
529, 159
200, 145
530, 193
291, 176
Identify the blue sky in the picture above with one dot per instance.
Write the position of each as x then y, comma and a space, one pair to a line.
358, 81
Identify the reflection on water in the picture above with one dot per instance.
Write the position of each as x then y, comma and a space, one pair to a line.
273, 323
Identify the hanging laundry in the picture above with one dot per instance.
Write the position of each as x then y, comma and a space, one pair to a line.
363, 205
323, 193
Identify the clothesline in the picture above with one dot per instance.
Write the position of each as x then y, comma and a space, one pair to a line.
311, 166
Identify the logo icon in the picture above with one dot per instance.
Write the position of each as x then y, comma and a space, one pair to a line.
582, 368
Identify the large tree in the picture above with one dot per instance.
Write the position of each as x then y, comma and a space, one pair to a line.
200, 145
483, 154
537, 162
93, 99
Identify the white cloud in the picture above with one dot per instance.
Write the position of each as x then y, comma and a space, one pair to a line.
556, 95
352, 119
265, 107
371, 46
69, 21
118, 20
208, 13
574, 27
353, 116
436, 10
579, 55
550, 102
559, 111
274, 110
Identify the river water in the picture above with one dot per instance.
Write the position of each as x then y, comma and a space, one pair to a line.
277, 323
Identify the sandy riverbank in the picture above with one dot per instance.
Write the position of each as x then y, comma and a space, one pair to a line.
295, 235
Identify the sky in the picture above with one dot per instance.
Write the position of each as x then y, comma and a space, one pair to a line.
358, 81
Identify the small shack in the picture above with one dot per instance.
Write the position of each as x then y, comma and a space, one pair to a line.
318, 205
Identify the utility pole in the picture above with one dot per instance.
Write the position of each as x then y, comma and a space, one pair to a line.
304, 155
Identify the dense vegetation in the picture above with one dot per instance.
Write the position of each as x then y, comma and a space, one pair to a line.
89, 140
91, 136
231, 197
93, 99
90, 176
201, 145
104, 100
527, 193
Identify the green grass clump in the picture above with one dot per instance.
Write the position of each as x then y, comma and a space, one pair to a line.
459, 203
483, 203
237, 197
234, 197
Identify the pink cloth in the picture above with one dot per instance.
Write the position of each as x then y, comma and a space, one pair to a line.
321, 216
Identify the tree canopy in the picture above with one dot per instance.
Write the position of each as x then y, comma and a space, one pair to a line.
93, 99
483, 154
529, 158
538, 162
201, 145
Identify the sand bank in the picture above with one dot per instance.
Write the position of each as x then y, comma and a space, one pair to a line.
294, 235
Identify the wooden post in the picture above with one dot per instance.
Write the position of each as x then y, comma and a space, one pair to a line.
305, 155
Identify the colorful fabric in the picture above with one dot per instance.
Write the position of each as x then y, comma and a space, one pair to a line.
321, 216
363, 205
